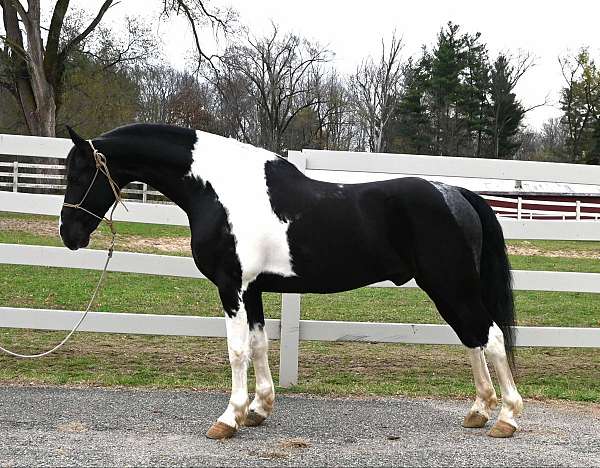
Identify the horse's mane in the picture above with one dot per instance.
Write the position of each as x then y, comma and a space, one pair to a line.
149, 130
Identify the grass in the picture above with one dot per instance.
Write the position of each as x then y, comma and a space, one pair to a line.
374, 369
325, 368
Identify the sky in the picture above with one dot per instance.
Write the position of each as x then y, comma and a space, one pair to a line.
353, 30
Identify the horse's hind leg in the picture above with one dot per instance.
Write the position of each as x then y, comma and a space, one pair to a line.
485, 400
512, 403
478, 332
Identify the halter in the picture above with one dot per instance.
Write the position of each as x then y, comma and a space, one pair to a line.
102, 167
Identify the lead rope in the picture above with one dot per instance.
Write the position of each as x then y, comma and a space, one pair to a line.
101, 166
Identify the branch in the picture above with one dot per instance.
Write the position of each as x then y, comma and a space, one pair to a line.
15, 47
77, 39
21, 10
56, 24
58, 16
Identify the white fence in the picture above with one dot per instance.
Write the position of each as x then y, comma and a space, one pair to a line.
290, 329
520, 208
45, 177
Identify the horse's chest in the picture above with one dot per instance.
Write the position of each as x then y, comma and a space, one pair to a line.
238, 180
261, 240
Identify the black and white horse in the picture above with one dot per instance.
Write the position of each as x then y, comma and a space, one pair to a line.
258, 224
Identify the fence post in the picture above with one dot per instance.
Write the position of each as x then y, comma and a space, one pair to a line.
578, 210
144, 192
290, 339
15, 176
519, 207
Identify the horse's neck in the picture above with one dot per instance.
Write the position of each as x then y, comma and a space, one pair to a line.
181, 169
163, 167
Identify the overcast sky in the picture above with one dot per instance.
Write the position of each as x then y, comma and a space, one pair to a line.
353, 30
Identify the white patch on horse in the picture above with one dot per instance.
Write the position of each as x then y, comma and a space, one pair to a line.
236, 172
238, 345
512, 403
264, 391
485, 400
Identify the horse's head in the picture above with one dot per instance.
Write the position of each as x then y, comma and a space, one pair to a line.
88, 188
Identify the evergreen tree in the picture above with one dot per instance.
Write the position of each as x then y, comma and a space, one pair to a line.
447, 61
505, 112
476, 87
410, 129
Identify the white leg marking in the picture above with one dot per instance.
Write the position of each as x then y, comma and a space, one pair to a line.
512, 403
486, 399
265, 390
239, 353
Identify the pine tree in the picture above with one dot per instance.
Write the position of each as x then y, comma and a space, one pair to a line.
410, 129
476, 88
447, 63
505, 112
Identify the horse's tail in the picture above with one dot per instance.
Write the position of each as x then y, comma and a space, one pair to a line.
495, 273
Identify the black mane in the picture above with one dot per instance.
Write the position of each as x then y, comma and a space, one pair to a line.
152, 142
152, 130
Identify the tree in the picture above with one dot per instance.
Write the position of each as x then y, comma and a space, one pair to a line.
34, 71
33, 59
580, 101
410, 130
173, 97
376, 89
475, 89
506, 112
446, 64
274, 70
96, 98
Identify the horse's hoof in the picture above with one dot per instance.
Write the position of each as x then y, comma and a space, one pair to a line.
253, 419
220, 431
474, 419
502, 429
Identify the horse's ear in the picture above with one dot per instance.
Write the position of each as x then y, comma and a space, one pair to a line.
77, 140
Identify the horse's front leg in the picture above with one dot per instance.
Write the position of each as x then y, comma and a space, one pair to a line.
264, 395
238, 344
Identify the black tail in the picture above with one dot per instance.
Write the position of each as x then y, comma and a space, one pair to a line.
495, 272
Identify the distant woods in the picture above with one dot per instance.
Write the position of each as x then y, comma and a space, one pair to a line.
282, 92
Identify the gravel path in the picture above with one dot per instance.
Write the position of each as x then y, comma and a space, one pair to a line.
62, 426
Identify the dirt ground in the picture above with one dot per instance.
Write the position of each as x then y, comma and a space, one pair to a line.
532, 251
182, 244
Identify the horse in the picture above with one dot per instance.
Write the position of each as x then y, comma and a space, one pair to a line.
258, 225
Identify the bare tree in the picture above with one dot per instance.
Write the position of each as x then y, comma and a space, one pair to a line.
173, 97
199, 14
274, 69
375, 86
333, 129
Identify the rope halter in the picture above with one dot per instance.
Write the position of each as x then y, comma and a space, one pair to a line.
101, 167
